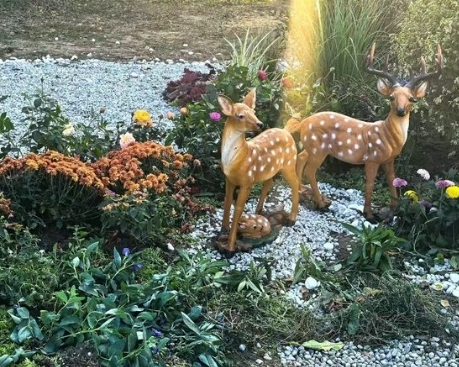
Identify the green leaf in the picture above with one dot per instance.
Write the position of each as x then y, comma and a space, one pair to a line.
354, 319
62, 296
116, 258
24, 333
23, 312
191, 325
208, 360
6, 360
195, 312
325, 345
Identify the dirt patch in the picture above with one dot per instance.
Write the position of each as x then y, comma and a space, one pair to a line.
124, 29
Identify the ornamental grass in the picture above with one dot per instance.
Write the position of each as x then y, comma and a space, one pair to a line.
51, 189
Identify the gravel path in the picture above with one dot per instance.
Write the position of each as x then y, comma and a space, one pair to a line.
81, 87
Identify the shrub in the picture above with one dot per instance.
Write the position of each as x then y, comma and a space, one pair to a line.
150, 190
440, 25
189, 88
51, 188
428, 215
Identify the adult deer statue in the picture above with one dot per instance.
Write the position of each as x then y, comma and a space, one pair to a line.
357, 142
246, 162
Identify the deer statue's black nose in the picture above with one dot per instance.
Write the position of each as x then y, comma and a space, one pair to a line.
401, 111
260, 124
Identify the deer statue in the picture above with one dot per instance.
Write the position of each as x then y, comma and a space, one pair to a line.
357, 142
247, 162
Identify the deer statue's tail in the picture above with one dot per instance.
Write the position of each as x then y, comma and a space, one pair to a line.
293, 124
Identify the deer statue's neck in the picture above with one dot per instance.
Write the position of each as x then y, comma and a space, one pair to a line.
233, 144
398, 126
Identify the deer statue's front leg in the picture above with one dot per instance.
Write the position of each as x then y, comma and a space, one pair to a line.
242, 197
229, 188
390, 176
371, 170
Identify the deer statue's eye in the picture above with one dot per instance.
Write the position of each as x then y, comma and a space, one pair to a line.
392, 97
413, 100
240, 116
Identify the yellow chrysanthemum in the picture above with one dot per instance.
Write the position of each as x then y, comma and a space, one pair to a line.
142, 117
453, 192
412, 195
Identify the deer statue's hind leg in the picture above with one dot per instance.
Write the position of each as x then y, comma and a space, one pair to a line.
267, 185
310, 170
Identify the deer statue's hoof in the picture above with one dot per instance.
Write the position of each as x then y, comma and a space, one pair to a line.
223, 248
307, 197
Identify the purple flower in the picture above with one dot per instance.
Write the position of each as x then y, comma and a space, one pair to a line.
155, 350
262, 75
426, 204
137, 267
156, 332
399, 182
215, 116
126, 251
443, 184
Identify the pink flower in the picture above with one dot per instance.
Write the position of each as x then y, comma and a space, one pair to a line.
262, 75
423, 173
399, 182
443, 184
215, 116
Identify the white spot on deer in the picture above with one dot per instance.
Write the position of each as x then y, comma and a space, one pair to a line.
271, 142
370, 145
260, 158
272, 168
356, 146
322, 122
332, 116
348, 141
365, 157
340, 143
277, 161
322, 146
330, 146
254, 168
346, 119
349, 130
375, 153
254, 152
287, 150
280, 150
277, 140
314, 150
376, 128
333, 136
294, 157
282, 161
249, 159
379, 142
286, 139
310, 126
360, 126
350, 151
289, 162
262, 168
359, 137
369, 132
273, 152
305, 139
340, 154
266, 149
313, 137
249, 174
337, 125
269, 159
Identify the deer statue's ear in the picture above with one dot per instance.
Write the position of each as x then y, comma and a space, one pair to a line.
226, 105
250, 99
384, 87
419, 90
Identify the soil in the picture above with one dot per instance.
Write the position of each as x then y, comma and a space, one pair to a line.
126, 29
